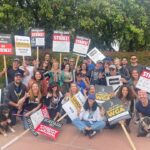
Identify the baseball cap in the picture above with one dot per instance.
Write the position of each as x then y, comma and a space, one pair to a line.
91, 97
18, 74
112, 66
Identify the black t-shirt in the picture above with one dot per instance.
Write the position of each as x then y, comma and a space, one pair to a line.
11, 73
31, 104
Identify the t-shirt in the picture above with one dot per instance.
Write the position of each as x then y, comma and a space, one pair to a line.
28, 77
14, 93
11, 73
139, 68
81, 85
145, 111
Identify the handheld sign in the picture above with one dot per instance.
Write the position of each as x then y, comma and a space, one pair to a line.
81, 45
5, 44
37, 37
5, 49
114, 81
22, 45
103, 93
95, 55
39, 122
61, 41
115, 111
144, 81
75, 103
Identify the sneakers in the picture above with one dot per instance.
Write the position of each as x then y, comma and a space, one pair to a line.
92, 133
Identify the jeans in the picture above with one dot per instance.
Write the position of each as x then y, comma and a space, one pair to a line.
81, 124
12, 116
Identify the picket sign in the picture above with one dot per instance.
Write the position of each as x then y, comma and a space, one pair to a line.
81, 45
22, 45
37, 40
114, 81
60, 60
70, 107
95, 55
144, 81
5, 49
61, 42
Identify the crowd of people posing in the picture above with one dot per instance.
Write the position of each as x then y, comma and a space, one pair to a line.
33, 84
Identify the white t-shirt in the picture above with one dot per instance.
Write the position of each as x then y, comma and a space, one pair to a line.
26, 79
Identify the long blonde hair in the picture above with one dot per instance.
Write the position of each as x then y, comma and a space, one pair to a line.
31, 94
70, 91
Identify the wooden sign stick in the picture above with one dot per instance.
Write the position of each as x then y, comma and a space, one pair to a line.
60, 60
74, 71
127, 135
62, 117
5, 66
37, 56
77, 60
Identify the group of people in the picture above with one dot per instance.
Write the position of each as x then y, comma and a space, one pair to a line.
33, 84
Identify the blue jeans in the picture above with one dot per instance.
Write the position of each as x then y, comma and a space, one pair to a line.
81, 124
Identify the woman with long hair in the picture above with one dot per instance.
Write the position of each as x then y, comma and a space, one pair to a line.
68, 78
89, 119
55, 74
126, 96
33, 101
42, 83
53, 101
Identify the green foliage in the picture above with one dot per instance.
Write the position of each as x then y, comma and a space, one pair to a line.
101, 20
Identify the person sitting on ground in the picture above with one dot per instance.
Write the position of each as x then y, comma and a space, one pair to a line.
143, 105
15, 91
126, 96
143, 108
89, 120
53, 101
32, 102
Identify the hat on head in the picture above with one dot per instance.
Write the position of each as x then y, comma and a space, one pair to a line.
16, 59
18, 74
91, 97
112, 66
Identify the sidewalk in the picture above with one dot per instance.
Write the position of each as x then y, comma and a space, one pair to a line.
71, 139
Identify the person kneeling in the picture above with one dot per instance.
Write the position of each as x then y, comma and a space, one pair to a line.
89, 120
